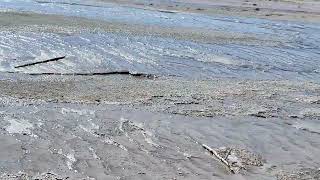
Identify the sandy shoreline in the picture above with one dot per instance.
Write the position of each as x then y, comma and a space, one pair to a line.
305, 11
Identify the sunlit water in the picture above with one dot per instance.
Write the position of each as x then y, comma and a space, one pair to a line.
297, 58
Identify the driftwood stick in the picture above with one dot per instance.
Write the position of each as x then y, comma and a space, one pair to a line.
151, 76
40, 62
82, 74
227, 154
142, 75
213, 152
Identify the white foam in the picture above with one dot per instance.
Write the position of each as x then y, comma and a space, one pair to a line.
79, 112
18, 126
70, 158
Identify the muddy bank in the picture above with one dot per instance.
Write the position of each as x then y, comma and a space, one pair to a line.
125, 127
224, 97
95, 140
305, 11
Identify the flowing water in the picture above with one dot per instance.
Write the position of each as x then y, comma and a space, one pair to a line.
293, 53
124, 127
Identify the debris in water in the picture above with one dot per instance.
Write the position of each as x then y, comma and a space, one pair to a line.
215, 153
41, 62
148, 76
235, 159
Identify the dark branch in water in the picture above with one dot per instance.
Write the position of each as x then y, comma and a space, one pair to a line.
165, 11
150, 76
40, 62
125, 72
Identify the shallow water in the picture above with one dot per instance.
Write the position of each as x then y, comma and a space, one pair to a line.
154, 55
74, 138
295, 57
121, 127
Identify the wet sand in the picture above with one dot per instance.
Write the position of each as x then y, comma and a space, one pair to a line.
246, 87
293, 10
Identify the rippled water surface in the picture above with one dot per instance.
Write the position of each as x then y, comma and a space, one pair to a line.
296, 57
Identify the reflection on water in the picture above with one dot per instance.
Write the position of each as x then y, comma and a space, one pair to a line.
296, 58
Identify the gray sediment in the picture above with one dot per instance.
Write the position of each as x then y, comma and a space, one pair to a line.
141, 99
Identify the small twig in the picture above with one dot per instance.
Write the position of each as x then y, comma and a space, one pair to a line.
227, 154
213, 152
165, 11
40, 62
